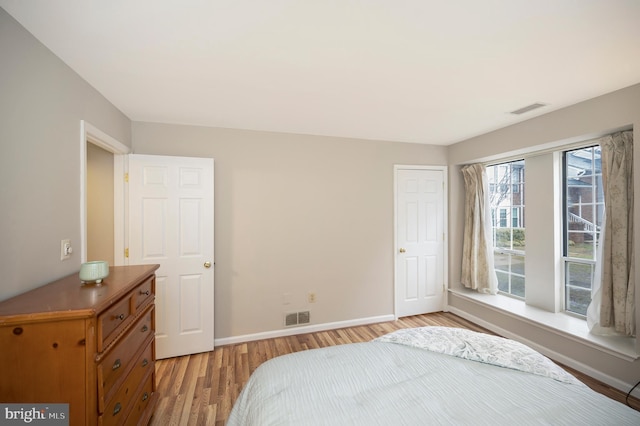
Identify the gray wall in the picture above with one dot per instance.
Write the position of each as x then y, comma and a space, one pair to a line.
295, 214
578, 122
41, 104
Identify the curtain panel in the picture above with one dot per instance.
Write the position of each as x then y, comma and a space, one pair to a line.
617, 307
477, 252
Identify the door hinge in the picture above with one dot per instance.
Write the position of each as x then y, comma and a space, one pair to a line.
126, 252
126, 177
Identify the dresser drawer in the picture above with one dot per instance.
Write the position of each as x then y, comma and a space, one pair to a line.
119, 361
142, 401
118, 407
143, 293
113, 321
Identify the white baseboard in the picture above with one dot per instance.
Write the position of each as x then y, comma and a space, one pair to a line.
585, 369
302, 330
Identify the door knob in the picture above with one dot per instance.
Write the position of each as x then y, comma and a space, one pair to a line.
207, 264
402, 250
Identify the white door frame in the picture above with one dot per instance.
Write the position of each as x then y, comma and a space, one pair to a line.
90, 133
445, 258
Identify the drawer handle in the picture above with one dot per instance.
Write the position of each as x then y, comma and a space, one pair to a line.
120, 317
145, 396
145, 293
116, 364
144, 328
117, 408
145, 362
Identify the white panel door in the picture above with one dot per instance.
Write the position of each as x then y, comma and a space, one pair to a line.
171, 223
420, 241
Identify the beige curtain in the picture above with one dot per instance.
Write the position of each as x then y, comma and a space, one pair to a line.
617, 308
477, 251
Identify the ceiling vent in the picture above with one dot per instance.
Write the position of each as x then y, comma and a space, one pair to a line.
527, 108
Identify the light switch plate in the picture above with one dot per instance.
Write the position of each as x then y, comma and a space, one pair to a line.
65, 249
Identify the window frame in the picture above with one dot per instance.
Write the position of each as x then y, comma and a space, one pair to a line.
546, 225
503, 217
567, 260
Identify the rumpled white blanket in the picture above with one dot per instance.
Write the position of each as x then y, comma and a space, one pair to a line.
383, 383
482, 347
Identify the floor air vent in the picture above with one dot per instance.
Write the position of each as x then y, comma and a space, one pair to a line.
297, 318
304, 317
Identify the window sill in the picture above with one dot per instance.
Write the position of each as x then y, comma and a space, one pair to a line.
560, 323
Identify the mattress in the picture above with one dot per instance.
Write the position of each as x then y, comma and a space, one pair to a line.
430, 375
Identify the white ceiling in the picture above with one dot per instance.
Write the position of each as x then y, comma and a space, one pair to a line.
424, 71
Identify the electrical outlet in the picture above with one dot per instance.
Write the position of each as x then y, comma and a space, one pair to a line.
65, 249
311, 298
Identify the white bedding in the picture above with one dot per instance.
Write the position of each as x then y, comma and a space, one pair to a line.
480, 347
397, 383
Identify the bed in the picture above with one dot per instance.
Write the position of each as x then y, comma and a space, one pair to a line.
419, 376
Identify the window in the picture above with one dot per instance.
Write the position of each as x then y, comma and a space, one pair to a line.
503, 218
583, 211
506, 183
563, 223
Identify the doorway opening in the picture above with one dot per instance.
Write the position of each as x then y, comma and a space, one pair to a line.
100, 210
93, 142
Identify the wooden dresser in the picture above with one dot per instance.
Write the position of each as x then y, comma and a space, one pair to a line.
91, 346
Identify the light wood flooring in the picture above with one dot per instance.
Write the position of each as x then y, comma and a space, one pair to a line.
200, 389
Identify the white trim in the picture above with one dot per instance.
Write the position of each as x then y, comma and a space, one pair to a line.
90, 133
302, 330
445, 225
103, 140
120, 209
83, 192
569, 362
